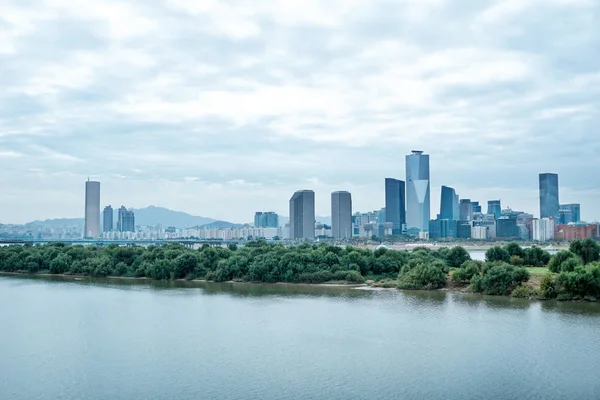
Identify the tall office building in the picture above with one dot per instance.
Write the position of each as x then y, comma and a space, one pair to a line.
575, 210
267, 219
418, 191
542, 229
448, 204
549, 204
495, 208
466, 210
475, 207
126, 220
107, 219
92, 210
302, 215
341, 215
395, 208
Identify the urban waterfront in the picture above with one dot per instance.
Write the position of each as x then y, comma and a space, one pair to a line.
99, 339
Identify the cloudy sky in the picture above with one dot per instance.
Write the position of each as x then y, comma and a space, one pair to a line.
220, 108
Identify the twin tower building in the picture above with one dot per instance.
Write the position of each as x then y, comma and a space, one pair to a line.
407, 204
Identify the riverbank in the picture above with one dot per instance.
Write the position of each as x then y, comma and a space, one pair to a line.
385, 284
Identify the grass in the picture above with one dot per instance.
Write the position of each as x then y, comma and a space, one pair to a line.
538, 270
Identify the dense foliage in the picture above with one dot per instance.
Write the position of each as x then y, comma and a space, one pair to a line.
256, 262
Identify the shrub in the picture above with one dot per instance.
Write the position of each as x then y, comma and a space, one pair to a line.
497, 253
525, 292
457, 256
580, 283
548, 287
424, 276
499, 279
466, 272
516, 261
556, 262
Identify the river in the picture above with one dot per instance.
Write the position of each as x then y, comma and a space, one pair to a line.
108, 339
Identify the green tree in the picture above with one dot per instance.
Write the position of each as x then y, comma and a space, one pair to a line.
536, 257
422, 276
514, 249
497, 253
457, 256
587, 249
499, 279
560, 258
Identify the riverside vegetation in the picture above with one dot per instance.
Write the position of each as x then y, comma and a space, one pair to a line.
572, 274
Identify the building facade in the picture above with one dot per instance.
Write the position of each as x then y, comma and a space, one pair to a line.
442, 228
126, 220
495, 208
576, 231
466, 210
341, 215
448, 204
549, 201
107, 219
506, 227
542, 230
302, 215
418, 212
92, 210
395, 205
268, 219
574, 209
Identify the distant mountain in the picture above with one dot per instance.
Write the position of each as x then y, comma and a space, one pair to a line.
153, 215
58, 222
220, 225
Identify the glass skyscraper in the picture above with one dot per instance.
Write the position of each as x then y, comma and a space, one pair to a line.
494, 207
466, 210
341, 215
447, 204
395, 209
107, 217
418, 210
549, 204
267, 219
575, 210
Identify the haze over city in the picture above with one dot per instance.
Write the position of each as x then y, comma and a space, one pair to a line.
221, 110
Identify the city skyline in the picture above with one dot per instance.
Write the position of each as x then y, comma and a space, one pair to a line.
279, 98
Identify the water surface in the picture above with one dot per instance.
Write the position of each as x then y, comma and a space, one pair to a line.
112, 340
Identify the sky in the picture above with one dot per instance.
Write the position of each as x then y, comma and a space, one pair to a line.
222, 108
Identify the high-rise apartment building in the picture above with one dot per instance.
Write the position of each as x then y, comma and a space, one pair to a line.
126, 220
267, 219
302, 215
575, 211
107, 219
92, 210
341, 215
495, 208
418, 210
549, 204
395, 208
466, 210
542, 229
448, 204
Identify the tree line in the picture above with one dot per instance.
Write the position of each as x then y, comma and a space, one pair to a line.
575, 273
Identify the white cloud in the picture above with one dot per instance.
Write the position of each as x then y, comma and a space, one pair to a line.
221, 107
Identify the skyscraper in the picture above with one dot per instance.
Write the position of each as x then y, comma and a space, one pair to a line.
448, 204
417, 193
395, 209
549, 204
92, 210
494, 207
475, 207
126, 221
341, 215
302, 215
466, 210
575, 210
107, 214
267, 219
